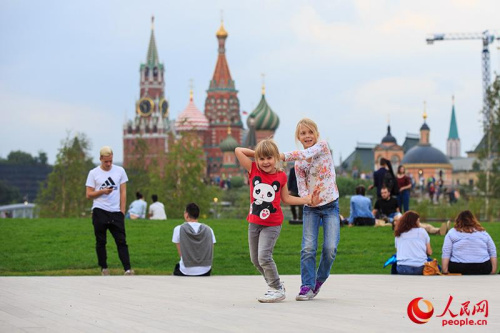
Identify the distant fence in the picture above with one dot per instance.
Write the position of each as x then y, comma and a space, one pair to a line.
21, 211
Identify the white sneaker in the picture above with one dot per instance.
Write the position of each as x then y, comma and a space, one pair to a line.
129, 272
105, 272
273, 295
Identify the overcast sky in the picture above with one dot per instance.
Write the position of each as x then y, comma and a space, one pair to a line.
73, 66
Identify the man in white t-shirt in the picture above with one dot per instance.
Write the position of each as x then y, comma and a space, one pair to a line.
195, 245
106, 186
156, 209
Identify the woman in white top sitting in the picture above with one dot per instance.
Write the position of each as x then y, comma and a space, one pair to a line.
412, 244
468, 248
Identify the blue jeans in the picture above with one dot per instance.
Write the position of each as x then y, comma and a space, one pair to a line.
404, 201
410, 270
328, 215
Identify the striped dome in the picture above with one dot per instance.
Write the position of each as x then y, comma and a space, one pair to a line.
263, 118
191, 119
228, 144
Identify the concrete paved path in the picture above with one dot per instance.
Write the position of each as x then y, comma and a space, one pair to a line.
346, 303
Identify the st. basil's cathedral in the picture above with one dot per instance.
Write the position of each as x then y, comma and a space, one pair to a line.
219, 127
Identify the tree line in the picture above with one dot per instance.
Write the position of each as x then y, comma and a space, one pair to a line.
180, 181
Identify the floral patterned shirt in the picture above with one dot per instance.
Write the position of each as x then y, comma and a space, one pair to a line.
319, 173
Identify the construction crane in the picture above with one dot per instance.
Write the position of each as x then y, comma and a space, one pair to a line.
488, 37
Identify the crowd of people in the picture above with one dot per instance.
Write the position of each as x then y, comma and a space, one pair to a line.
467, 249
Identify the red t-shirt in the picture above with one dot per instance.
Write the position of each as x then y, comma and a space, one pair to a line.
403, 181
265, 197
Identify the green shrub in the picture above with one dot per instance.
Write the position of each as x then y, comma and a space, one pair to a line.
237, 182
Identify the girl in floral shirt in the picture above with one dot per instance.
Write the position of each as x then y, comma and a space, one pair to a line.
315, 172
268, 187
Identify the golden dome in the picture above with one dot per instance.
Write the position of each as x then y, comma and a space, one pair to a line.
222, 32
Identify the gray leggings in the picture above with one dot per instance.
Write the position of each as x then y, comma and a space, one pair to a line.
261, 241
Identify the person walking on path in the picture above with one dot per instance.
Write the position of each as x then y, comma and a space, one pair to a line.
268, 186
315, 173
106, 186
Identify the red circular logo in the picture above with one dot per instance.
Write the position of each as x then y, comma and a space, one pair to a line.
416, 314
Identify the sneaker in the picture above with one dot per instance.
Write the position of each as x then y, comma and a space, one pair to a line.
273, 295
305, 294
317, 287
129, 272
105, 272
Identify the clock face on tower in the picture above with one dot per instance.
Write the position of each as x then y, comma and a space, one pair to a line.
145, 106
164, 107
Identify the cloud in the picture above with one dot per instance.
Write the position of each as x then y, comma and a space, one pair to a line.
41, 124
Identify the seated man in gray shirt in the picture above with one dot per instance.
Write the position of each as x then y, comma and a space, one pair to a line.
195, 245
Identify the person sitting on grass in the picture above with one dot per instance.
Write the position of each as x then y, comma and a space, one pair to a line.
468, 249
386, 209
412, 245
195, 245
361, 209
137, 209
157, 209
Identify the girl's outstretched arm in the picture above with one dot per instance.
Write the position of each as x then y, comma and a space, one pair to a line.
294, 201
319, 148
243, 155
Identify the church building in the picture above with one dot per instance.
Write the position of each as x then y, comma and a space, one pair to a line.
219, 128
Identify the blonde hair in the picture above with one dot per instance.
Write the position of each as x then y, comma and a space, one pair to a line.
106, 151
307, 123
268, 148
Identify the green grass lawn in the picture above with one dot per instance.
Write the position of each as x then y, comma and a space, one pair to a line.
67, 247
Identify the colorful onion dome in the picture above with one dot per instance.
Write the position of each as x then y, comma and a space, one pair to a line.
229, 143
191, 119
263, 118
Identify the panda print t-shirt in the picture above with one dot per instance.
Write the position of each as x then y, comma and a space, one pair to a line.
265, 197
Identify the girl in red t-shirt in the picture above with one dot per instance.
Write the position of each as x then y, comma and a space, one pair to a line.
267, 188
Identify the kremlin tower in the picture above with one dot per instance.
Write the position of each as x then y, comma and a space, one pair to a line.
151, 125
222, 109
219, 130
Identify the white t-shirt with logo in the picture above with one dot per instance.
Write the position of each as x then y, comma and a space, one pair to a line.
157, 211
195, 270
100, 179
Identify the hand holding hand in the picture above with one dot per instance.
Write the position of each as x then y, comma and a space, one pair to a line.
315, 200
